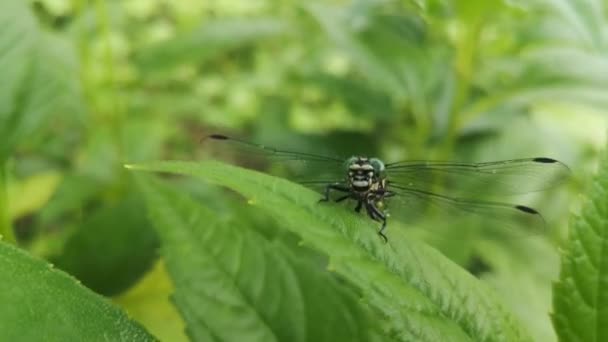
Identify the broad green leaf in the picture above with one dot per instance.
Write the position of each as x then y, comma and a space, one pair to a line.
40, 303
232, 284
72, 195
38, 72
112, 248
580, 297
422, 295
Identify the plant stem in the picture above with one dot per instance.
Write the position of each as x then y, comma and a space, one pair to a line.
6, 227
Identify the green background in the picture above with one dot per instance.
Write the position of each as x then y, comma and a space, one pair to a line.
89, 86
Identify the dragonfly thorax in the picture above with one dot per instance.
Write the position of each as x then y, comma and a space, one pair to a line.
365, 174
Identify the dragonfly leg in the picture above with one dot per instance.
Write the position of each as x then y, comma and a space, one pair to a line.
382, 229
359, 205
342, 198
377, 215
329, 187
389, 194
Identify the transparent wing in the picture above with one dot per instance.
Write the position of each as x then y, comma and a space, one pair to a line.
488, 179
519, 219
312, 170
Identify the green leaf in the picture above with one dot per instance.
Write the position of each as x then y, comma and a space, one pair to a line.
112, 248
232, 284
421, 295
73, 194
580, 297
39, 76
40, 303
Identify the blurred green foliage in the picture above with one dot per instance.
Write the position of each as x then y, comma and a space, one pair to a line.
91, 85
583, 271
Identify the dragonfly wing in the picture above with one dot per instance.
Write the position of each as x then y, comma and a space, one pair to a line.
519, 219
312, 170
488, 179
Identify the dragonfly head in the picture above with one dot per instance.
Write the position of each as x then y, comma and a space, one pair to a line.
364, 173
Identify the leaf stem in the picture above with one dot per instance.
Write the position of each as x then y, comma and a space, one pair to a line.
6, 227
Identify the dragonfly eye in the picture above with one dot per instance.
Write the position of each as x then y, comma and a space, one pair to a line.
377, 164
351, 162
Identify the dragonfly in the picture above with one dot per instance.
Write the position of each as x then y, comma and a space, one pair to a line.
371, 184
